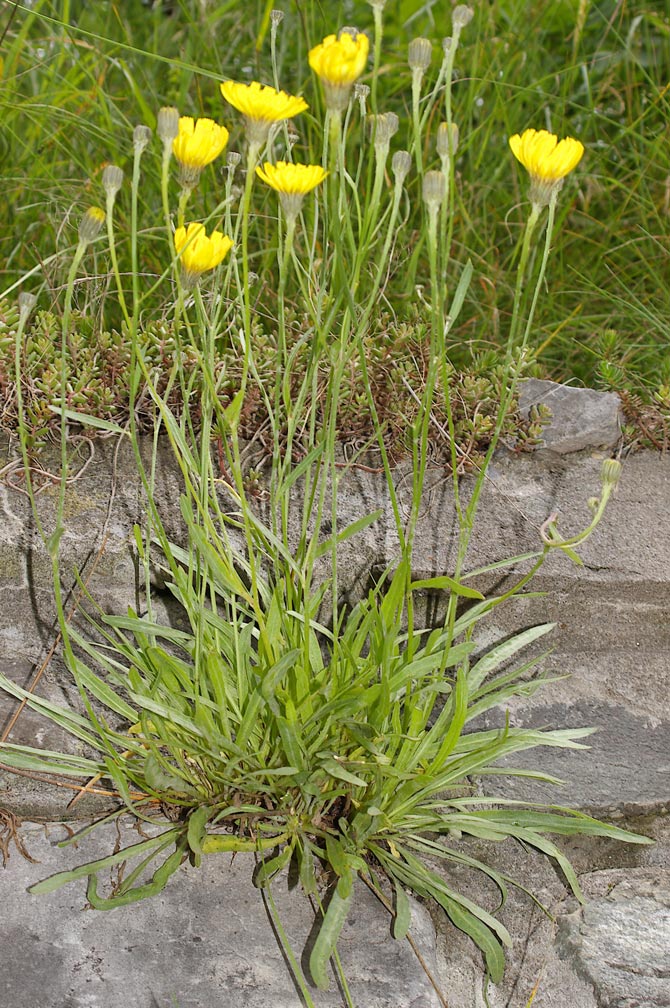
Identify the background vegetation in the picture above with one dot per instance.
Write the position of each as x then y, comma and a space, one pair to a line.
78, 76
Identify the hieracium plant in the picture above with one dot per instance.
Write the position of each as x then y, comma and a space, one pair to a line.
280, 719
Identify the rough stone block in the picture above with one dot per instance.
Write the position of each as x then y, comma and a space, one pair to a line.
580, 418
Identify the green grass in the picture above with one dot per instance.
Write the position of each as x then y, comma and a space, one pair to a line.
78, 76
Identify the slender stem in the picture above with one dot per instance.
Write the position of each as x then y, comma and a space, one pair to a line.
521, 274
23, 434
543, 265
379, 32
165, 198
252, 156
109, 216
416, 121
134, 260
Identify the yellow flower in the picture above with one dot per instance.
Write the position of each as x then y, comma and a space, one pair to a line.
292, 182
198, 252
547, 159
339, 62
261, 106
196, 145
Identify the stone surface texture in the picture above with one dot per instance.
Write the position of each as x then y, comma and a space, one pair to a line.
206, 941
580, 418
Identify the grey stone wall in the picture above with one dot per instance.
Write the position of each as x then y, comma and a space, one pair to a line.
612, 642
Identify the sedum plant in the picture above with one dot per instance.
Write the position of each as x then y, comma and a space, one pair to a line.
278, 718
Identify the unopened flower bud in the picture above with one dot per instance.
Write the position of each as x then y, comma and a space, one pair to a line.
461, 16
593, 503
27, 302
382, 128
361, 92
167, 126
233, 158
112, 180
419, 54
401, 162
377, 4
276, 17
91, 225
434, 189
447, 140
610, 473
141, 138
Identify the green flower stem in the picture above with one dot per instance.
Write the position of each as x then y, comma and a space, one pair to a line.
65, 333
510, 376
184, 197
377, 54
52, 543
531, 224
23, 433
420, 444
416, 122
109, 220
135, 372
134, 260
361, 329
371, 215
450, 56
548, 235
252, 157
383, 259
165, 197
282, 390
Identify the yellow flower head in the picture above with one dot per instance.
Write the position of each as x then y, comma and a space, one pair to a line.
292, 182
261, 106
198, 252
196, 145
547, 159
339, 62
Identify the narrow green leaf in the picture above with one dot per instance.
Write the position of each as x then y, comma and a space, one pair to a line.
101, 690
197, 828
232, 411
481, 935
336, 855
89, 421
347, 533
333, 921
459, 293
54, 882
335, 770
403, 916
502, 652
444, 583
267, 869
158, 882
